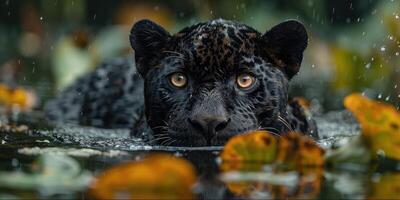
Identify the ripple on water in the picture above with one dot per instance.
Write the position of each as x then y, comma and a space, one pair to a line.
332, 127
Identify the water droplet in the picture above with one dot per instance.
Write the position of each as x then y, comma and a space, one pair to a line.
41, 18
313, 65
397, 54
14, 162
383, 48
397, 16
368, 65
379, 96
387, 98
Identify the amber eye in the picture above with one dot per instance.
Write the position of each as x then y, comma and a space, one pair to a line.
178, 80
245, 81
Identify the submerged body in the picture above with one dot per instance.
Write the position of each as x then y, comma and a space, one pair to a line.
197, 87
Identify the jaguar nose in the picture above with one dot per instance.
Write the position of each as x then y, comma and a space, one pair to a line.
208, 126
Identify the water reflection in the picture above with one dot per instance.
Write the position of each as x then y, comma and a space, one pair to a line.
384, 186
255, 181
216, 180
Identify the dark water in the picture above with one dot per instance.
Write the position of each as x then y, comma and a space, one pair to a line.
92, 150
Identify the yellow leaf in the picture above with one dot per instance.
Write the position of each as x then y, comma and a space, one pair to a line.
247, 155
159, 176
252, 147
247, 151
386, 187
297, 150
19, 97
380, 124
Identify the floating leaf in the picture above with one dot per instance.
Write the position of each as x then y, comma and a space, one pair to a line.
297, 150
158, 176
292, 150
385, 186
248, 150
380, 124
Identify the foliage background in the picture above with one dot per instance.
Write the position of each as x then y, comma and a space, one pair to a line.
354, 44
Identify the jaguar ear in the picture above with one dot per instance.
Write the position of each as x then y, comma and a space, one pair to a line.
285, 44
148, 39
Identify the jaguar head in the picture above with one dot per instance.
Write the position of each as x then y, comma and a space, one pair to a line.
213, 80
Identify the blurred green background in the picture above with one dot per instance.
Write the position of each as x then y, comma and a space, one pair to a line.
354, 44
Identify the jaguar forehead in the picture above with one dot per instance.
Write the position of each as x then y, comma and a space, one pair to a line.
217, 46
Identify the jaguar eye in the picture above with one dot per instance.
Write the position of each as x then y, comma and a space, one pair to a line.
245, 81
178, 80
